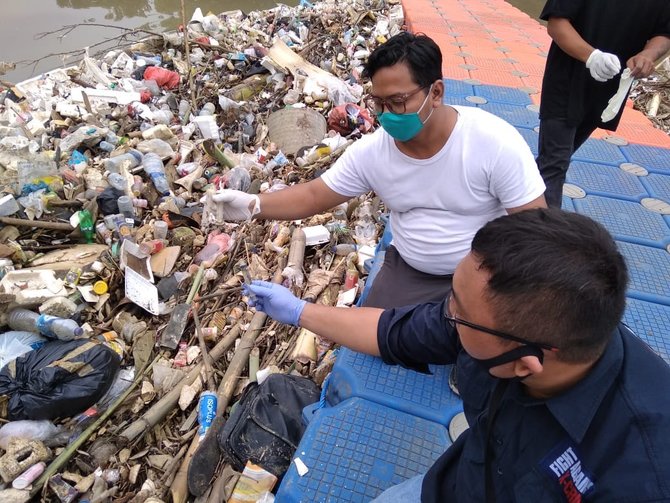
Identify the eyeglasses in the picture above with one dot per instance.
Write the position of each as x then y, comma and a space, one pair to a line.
394, 103
454, 320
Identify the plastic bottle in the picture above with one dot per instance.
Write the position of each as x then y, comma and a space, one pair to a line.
160, 229
126, 206
117, 181
184, 108
207, 109
344, 249
86, 225
138, 186
238, 178
153, 166
113, 164
106, 146
49, 326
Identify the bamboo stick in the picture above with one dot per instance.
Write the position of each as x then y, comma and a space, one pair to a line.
163, 407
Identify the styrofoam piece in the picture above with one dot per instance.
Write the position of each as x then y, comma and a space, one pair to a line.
141, 291
32, 287
316, 235
207, 126
108, 95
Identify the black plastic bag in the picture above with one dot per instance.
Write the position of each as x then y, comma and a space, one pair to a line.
266, 425
60, 379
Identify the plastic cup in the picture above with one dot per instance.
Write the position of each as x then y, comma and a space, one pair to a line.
160, 229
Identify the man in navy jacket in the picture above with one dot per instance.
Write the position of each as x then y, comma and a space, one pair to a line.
564, 402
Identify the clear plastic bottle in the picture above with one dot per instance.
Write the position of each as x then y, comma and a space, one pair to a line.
153, 166
113, 164
106, 146
126, 208
49, 326
117, 181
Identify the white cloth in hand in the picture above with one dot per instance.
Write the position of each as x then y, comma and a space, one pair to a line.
603, 65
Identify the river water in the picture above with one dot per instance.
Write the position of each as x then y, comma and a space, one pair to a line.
24, 21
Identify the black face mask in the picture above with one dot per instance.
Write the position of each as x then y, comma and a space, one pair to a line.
510, 356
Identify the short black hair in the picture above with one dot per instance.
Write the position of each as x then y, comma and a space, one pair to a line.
419, 52
555, 277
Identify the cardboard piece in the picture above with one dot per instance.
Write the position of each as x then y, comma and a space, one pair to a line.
163, 262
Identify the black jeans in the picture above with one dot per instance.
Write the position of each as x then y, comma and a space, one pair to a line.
558, 141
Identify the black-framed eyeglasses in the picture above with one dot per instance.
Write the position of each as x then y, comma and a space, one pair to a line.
453, 321
394, 103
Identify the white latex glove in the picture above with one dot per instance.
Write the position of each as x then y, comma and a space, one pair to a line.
603, 65
235, 205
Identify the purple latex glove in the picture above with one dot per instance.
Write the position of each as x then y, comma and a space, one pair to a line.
276, 301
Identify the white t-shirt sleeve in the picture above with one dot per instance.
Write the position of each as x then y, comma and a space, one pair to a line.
515, 179
347, 175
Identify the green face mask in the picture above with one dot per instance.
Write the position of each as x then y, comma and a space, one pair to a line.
404, 127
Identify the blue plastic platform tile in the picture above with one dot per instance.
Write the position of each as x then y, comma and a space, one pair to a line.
531, 137
457, 88
424, 395
650, 322
627, 221
648, 270
567, 204
657, 185
609, 181
357, 450
501, 94
449, 99
516, 115
655, 159
594, 150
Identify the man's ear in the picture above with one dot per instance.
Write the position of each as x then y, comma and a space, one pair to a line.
437, 91
527, 366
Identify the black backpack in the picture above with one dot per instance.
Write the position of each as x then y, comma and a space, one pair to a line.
266, 425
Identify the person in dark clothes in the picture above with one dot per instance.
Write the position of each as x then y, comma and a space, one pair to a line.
564, 402
593, 40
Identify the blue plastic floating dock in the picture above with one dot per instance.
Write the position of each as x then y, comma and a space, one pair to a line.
356, 450
424, 395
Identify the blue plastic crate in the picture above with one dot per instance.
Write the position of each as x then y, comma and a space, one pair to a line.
449, 99
567, 204
516, 115
648, 270
627, 221
657, 185
531, 137
427, 396
654, 159
650, 322
457, 88
594, 150
358, 449
608, 181
501, 94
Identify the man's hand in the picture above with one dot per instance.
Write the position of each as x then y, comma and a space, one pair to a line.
235, 205
641, 65
276, 301
603, 65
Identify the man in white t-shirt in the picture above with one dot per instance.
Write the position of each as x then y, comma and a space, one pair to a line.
442, 172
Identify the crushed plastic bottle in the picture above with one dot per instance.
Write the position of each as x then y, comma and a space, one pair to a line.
153, 166
113, 164
49, 326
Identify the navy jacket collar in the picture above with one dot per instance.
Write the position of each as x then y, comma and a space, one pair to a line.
575, 408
